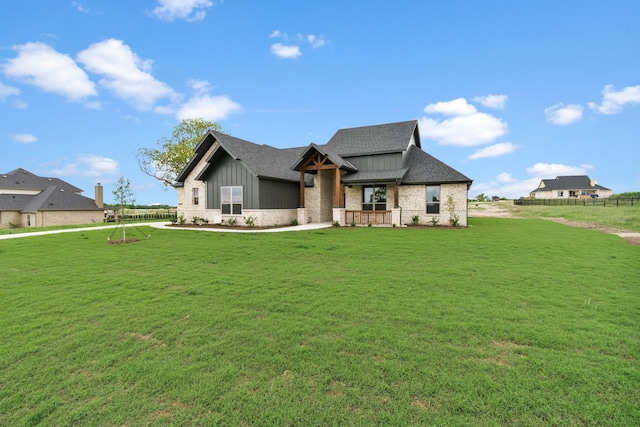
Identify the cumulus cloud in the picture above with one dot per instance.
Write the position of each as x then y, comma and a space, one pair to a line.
505, 185
42, 66
561, 114
24, 138
7, 91
467, 126
551, 170
89, 166
494, 150
292, 47
190, 10
125, 74
285, 51
492, 101
203, 105
614, 101
315, 41
456, 107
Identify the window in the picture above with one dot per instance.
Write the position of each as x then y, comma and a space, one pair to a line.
560, 193
231, 200
572, 193
433, 199
195, 199
374, 197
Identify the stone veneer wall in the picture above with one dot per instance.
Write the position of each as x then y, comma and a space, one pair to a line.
318, 200
185, 204
267, 217
413, 200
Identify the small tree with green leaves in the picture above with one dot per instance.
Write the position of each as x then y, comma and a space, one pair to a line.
123, 196
454, 218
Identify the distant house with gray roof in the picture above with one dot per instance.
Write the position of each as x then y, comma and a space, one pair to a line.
569, 187
28, 200
366, 175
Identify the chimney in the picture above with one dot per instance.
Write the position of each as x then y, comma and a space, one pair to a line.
99, 196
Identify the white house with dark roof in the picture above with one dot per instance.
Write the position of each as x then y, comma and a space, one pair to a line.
366, 175
569, 187
28, 200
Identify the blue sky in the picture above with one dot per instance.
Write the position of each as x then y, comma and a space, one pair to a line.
506, 92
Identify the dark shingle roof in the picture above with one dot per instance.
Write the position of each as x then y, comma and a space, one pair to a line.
262, 161
572, 182
56, 198
386, 138
54, 193
22, 179
270, 162
336, 159
426, 169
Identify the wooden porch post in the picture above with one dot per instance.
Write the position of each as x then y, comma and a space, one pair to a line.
396, 195
337, 189
302, 188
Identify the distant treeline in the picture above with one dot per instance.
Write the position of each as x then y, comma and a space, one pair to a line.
142, 207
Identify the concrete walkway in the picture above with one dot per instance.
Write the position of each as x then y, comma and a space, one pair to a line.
165, 226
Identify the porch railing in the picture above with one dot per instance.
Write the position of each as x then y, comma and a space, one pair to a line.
367, 217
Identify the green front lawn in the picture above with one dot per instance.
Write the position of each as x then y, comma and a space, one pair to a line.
509, 321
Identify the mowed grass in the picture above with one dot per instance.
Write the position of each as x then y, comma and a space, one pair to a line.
507, 322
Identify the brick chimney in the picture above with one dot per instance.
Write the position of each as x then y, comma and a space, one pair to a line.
99, 196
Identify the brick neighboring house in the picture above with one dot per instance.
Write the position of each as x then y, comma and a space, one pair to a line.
569, 187
28, 200
365, 175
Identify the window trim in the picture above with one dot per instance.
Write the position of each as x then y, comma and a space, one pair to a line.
233, 203
433, 207
195, 196
376, 202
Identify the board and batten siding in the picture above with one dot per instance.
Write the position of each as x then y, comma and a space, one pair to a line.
377, 162
230, 172
256, 193
279, 194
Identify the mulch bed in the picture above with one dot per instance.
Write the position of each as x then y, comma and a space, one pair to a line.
226, 227
120, 242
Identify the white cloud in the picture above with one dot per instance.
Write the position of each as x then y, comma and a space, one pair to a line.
77, 5
551, 170
292, 48
492, 101
90, 166
190, 10
561, 114
495, 150
24, 138
285, 51
315, 41
505, 185
456, 107
40, 65
613, 101
463, 131
7, 91
212, 108
125, 73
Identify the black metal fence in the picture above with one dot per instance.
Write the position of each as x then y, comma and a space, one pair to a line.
575, 201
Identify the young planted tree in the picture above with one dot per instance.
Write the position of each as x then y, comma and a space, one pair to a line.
123, 196
165, 162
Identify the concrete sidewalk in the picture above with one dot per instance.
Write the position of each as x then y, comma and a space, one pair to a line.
165, 226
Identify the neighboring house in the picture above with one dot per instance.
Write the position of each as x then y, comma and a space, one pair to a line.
569, 187
366, 175
28, 200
